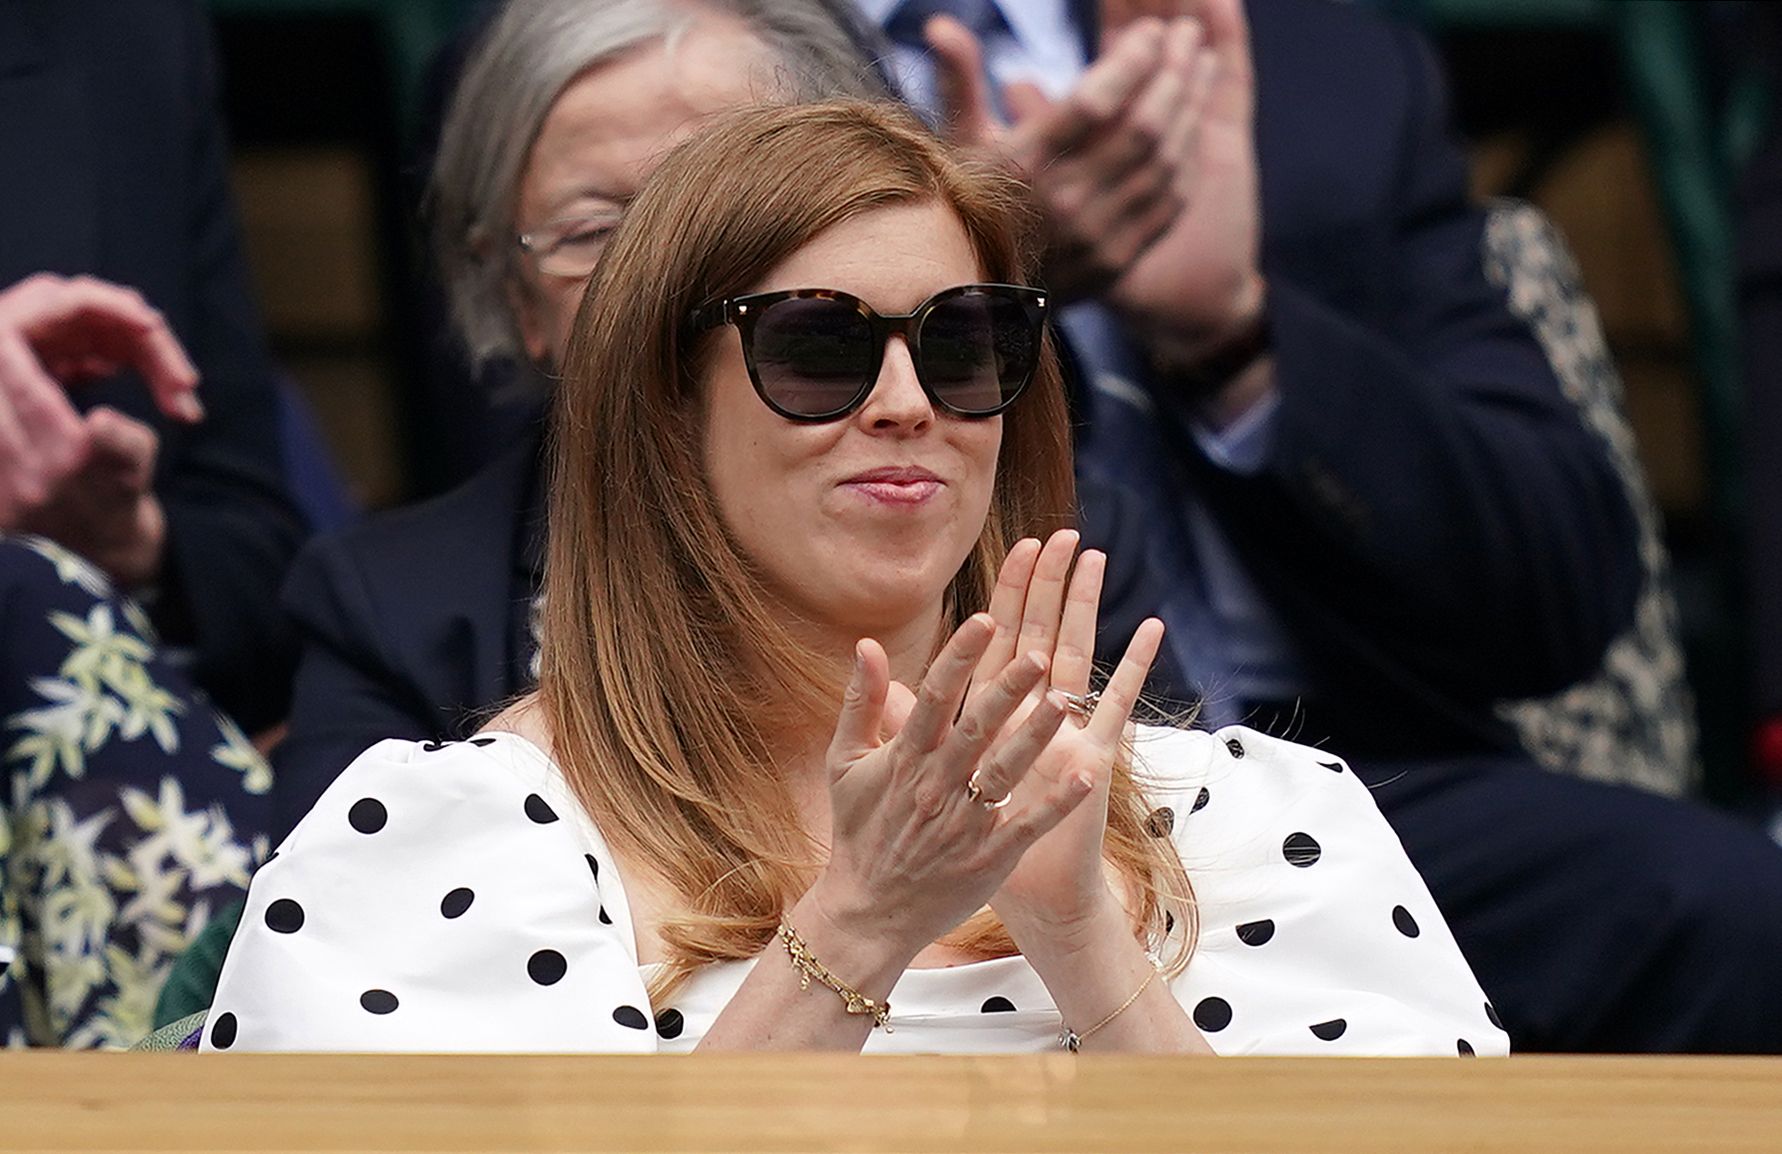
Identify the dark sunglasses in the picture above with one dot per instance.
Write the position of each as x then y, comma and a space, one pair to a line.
815, 354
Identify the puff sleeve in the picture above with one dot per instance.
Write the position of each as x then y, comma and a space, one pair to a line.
439, 897
1317, 935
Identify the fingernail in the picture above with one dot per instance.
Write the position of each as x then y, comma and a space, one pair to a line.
191, 408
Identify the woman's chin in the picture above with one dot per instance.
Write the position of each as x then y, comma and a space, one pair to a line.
866, 607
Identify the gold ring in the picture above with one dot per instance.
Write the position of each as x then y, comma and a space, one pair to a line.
1080, 704
975, 792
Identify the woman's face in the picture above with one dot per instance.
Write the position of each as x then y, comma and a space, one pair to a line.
605, 134
858, 524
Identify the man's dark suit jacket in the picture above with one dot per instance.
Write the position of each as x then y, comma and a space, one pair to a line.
112, 164
1434, 525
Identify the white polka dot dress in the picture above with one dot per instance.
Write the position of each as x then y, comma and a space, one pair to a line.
454, 897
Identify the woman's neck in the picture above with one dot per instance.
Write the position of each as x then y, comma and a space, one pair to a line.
802, 758
909, 645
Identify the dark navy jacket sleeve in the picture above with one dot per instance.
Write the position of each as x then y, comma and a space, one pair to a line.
1430, 497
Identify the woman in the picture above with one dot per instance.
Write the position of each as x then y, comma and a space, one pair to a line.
765, 502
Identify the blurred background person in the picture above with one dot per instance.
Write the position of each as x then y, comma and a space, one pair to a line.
145, 517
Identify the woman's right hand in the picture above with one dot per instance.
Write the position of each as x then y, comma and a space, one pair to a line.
912, 854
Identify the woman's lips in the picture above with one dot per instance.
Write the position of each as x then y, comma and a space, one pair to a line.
902, 485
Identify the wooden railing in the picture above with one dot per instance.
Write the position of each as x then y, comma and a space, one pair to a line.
66, 1101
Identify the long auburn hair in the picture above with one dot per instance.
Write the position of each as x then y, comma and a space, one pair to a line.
667, 668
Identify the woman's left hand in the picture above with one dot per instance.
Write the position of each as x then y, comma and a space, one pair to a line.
1061, 888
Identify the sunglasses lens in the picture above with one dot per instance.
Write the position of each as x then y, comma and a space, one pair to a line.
978, 350
813, 356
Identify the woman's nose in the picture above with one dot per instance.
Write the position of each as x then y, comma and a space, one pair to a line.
897, 399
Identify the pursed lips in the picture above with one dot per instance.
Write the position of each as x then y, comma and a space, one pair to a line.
895, 484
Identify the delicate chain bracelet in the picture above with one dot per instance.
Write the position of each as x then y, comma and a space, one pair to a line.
809, 967
1073, 1041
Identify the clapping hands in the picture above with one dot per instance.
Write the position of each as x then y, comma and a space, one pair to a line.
982, 785
1146, 171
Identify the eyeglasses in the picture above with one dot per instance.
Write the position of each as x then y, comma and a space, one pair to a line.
570, 246
815, 354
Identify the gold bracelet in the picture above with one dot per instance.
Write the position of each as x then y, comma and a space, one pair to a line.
809, 967
1073, 1041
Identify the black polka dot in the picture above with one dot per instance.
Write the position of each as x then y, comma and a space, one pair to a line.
378, 1002
1332, 766
606, 919
284, 916
547, 967
1330, 1031
222, 1031
479, 742
1407, 925
1212, 1014
1256, 933
1301, 850
1161, 821
631, 1018
1235, 746
1491, 1012
670, 1023
368, 815
593, 865
433, 746
1464, 1047
455, 903
538, 811
1200, 800
997, 1005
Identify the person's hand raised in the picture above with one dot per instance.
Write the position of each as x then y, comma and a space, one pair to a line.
1201, 281
1108, 163
912, 852
84, 480
1041, 605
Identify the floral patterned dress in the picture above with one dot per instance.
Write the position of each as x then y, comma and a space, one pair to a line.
132, 811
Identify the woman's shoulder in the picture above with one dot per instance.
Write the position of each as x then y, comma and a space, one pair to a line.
493, 770
1177, 761
1316, 935
1236, 796
439, 896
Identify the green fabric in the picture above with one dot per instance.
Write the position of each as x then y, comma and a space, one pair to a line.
168, 1037
193, 982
